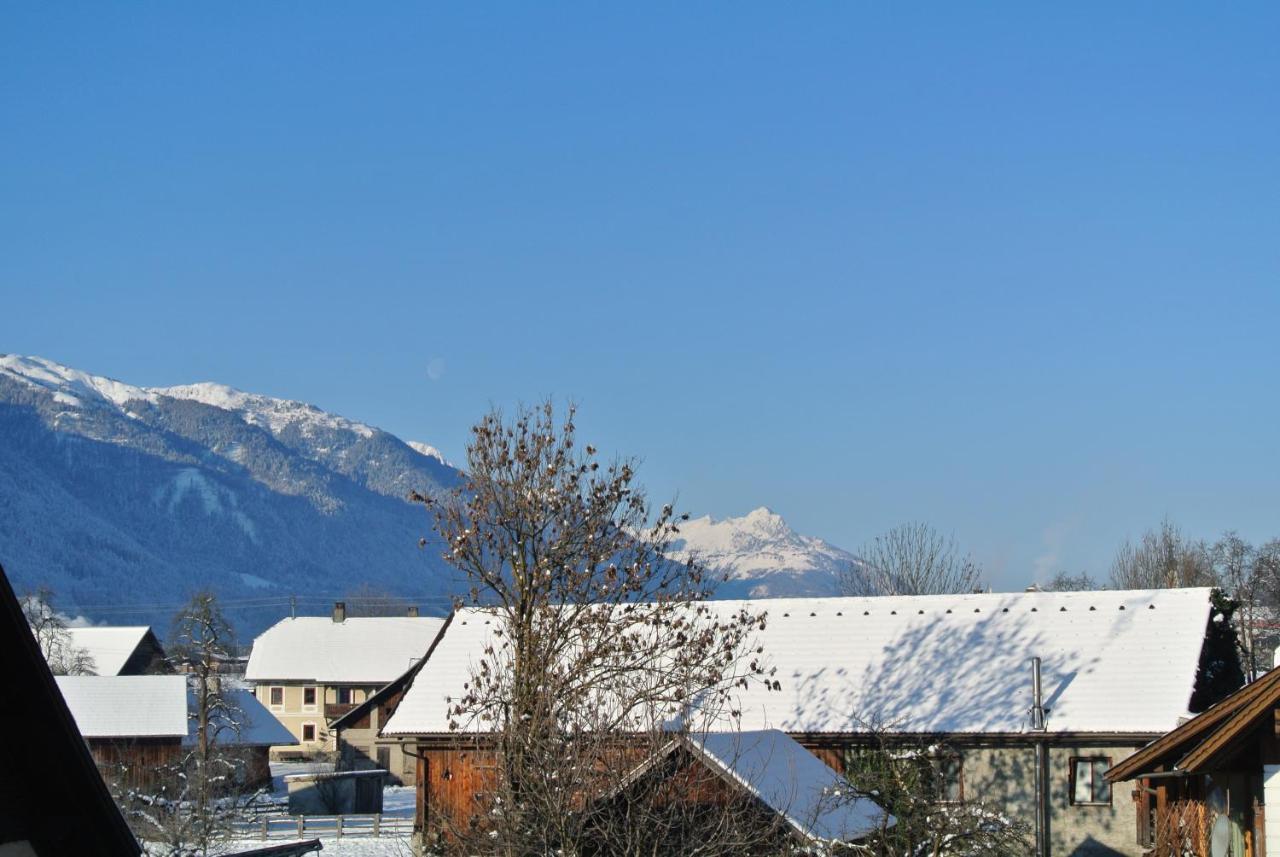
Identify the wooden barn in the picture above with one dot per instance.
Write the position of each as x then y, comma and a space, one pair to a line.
1203, 789
121, 650
136, 726
1118, 669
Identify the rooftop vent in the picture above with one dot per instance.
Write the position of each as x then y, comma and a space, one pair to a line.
339, 611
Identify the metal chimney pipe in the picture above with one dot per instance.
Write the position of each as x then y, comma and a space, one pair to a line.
1042, 762
339, 611
1037, 700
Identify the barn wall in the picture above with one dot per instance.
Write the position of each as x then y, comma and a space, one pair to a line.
135, 764
454, 784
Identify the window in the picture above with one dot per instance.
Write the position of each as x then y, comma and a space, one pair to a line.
1088, 785
308, 732
276, 697
344, 696
309, 697
950, 773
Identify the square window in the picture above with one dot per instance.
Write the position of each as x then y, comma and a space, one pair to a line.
309, 697
277, 696
1089, 786
308, 732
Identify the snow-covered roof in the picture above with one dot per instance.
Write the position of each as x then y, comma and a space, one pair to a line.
1112, 662
127, 706
790, 780
110, 647
257, 727
157, 706
356, 651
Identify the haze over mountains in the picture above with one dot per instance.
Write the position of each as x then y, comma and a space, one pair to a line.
125, 499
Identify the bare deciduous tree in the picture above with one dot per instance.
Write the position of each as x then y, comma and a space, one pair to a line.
369, 600
600, 649
1066, 582
917, 782
911, 559
1162, 559
50, 629
189, 805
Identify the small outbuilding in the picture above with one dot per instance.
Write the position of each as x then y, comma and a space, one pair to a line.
1212, 785
335, 792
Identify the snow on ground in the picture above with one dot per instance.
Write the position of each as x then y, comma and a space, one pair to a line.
398, 801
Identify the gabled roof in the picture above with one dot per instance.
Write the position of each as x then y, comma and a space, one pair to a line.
127, 706
110, 647
54, 799
256, 726
1196, 745
390, 689
158, 706
814, 799
1113, 662
355, 651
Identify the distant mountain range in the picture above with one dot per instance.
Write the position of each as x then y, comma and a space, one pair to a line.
125, 499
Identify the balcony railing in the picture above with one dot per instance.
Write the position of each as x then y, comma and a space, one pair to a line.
334, 710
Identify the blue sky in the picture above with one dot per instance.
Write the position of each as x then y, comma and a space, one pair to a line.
1012, 271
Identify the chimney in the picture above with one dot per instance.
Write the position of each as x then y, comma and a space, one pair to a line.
1037, 703
339, 611
413, 611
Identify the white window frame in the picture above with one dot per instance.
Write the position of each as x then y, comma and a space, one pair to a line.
315, 693
302, 732
271, 689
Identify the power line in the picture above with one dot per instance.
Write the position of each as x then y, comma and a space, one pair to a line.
282, 601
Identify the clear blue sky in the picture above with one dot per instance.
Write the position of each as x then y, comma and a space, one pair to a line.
1014, 272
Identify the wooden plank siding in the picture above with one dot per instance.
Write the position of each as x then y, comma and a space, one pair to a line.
136, 764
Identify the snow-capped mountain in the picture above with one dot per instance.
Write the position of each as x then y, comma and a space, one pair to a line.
762, 556
114, 493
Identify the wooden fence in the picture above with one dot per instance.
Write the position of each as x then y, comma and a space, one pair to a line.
1181, 830
267, 827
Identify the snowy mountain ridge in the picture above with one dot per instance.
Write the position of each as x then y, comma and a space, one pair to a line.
762, 556
107, 485
78, 388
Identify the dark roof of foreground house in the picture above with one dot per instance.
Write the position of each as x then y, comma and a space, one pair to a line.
51, 794
288, 849
1202, 743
